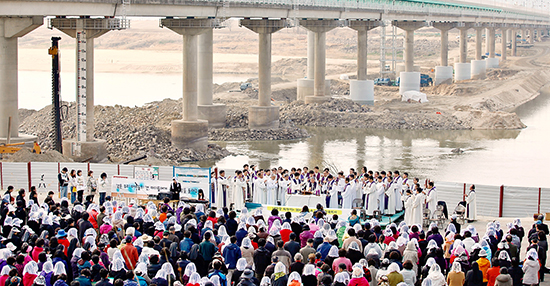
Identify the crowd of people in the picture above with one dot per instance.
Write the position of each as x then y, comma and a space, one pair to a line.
385, 192
53, 242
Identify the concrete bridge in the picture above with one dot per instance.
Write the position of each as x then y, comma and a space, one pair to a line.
86, 20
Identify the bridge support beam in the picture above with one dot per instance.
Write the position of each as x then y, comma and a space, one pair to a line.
361, 89
491, 61
479, 66
264, 116
190, 131
320, 28
305, 85
463, 67
444, 72
409, 79
213, 113
503, 42
531, 36
86, 148
514, 39
10, 30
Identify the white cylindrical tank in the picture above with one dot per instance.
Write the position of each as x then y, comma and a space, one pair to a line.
409, 81
492, 63
443, 74
362, 91
478, 70
463, 71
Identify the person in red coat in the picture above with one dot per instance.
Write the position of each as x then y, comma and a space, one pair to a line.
130, 254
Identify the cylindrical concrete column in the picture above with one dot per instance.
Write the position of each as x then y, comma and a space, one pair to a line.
444, 47
491, 42
479, 41
463, 45
532, 36
514, 37
9, 106
504, 43
409, 51
362, 54
90, 121
319, 76
310, 55
205, 69
190, 112
264, 73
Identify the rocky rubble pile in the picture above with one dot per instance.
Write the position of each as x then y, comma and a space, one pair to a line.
346, 113
129, 132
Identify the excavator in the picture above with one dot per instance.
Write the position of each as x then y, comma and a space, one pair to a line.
12, 148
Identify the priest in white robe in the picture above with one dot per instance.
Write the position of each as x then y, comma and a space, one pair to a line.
471, 208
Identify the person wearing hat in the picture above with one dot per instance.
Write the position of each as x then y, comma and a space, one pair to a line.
130, 253
63, 179
483, 264
246, 278
62, 239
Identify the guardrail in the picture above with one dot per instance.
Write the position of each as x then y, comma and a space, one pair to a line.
492, 201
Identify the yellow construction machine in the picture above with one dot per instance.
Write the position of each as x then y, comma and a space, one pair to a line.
12, 148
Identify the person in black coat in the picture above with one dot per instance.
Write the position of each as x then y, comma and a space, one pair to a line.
516, 272
262, 258
474, 277
175, 189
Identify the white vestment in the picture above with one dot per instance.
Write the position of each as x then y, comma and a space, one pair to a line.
380, 189
223, 184
418, 208
239, 190
348, 195
398, 182
431, 200
260, 191
333, 192
272, 190
390, 192
409, 209
471, 208
284, 185
372, 198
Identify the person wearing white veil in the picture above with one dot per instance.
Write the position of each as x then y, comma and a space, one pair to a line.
194, 279
47, 271
188, 272
456, 276
332, 255
294, 279
247, 251
341, 278
239, 269
436, 276
118, 269
141, 273
308, 275
30, 272
266, 281
531, 268
279, 277
59, 269
5, 274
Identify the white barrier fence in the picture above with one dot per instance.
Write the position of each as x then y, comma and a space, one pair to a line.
493, 201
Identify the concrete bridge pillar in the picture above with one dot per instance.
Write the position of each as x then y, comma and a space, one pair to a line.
479, 66
491, 61
444, 72
514, 38
362, 90
503, 42
531, 36
85, 147
264, 116
10, 30
320, 28
190, 131
409, 80
463, 69
305, 85
213, 113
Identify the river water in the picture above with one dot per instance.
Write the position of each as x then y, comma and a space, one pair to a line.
491, 157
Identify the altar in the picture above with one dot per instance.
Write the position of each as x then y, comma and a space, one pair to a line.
297, 200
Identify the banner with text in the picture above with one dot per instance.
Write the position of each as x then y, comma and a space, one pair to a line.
138, 187
192, 180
